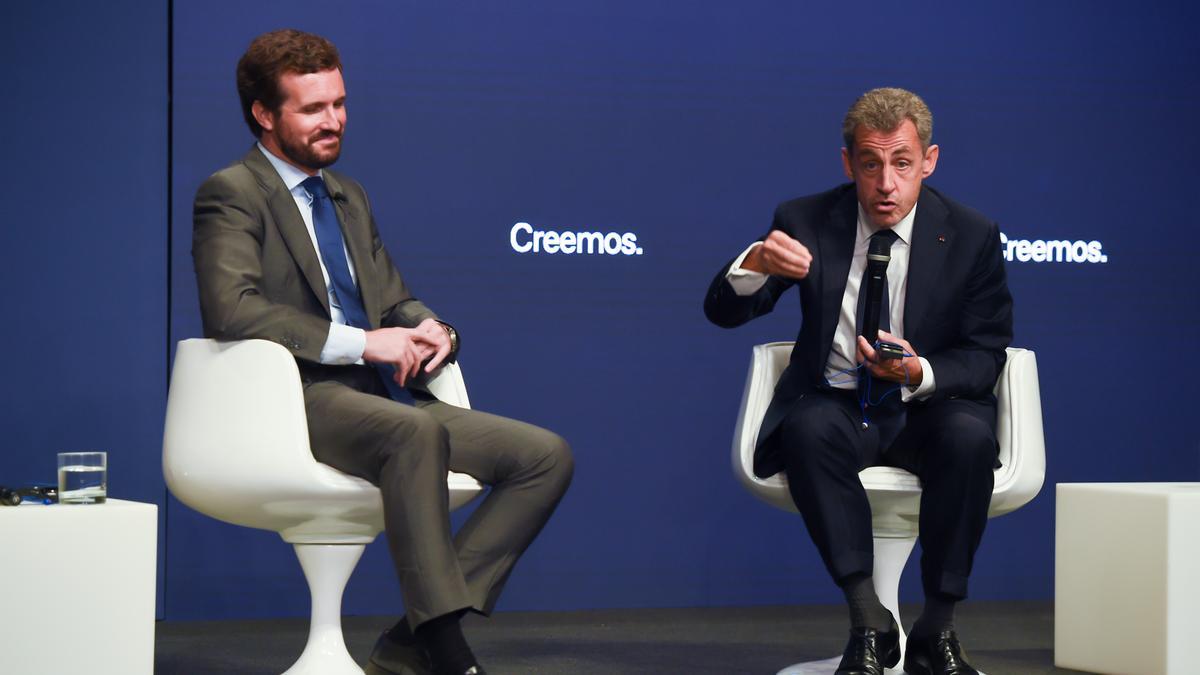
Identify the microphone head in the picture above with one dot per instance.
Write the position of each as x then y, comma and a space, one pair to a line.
879, 250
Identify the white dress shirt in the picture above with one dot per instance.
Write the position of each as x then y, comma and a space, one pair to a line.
345, 343
840, 369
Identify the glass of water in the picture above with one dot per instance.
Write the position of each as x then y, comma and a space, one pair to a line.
82, 477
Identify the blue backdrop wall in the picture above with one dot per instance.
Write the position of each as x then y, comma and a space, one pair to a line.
84, 237
682, 124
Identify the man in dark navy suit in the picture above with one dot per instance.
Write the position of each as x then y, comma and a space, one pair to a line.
841, 406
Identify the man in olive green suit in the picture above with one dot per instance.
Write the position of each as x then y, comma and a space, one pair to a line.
288, 251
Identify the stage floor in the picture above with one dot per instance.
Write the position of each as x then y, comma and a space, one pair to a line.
1002, 638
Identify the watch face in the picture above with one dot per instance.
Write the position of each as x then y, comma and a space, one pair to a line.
453, 334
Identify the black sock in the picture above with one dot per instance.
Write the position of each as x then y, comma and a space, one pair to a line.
865, 608
936, 617
443, 640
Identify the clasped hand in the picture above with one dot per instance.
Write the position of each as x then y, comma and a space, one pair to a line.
905, 370
408, 348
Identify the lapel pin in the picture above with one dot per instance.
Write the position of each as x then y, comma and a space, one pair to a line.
941, 238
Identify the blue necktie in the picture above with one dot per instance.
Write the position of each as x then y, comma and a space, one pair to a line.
333, 254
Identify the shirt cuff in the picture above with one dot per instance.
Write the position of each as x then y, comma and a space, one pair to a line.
923, 390
344, 345
743, 281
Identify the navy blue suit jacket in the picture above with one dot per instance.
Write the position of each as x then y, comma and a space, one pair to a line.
957, 313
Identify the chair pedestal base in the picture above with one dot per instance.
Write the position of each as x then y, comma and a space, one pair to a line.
327, 567
891, 552
829, 666
890, 555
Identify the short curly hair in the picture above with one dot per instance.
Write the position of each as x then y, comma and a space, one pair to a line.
885, 109
268, 57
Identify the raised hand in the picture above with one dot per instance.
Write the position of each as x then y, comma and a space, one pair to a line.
779, 255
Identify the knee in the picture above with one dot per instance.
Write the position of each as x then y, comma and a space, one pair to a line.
557, 461
542, 462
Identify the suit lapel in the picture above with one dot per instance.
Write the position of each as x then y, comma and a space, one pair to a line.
357, 234
289, 223
836, 242
931, 242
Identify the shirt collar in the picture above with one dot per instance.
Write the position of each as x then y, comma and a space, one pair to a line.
291, 175
903, 229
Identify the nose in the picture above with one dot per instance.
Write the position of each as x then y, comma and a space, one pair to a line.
887, 180
330, 120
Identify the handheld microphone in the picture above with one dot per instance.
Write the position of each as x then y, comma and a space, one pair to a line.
879, 254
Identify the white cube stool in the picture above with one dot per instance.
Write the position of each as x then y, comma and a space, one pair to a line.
1127, 577
77, 582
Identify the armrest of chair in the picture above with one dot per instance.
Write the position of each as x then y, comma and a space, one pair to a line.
235, 414
1019, 432
447, 386
767, 363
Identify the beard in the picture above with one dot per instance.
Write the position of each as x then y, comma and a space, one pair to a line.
305, 153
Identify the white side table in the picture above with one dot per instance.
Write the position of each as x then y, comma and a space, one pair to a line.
1127, 577
77, 588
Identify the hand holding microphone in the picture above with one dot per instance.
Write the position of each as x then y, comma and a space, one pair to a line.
884, 355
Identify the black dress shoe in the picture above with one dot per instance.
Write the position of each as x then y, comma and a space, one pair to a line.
392, 657
870, 651
936, 655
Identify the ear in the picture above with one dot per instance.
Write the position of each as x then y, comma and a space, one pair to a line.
930, 163
846, 164
264, 117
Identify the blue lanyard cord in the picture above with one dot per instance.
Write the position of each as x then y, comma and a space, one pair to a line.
852, 376
864, 399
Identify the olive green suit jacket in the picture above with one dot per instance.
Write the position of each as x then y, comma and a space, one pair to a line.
257, 270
